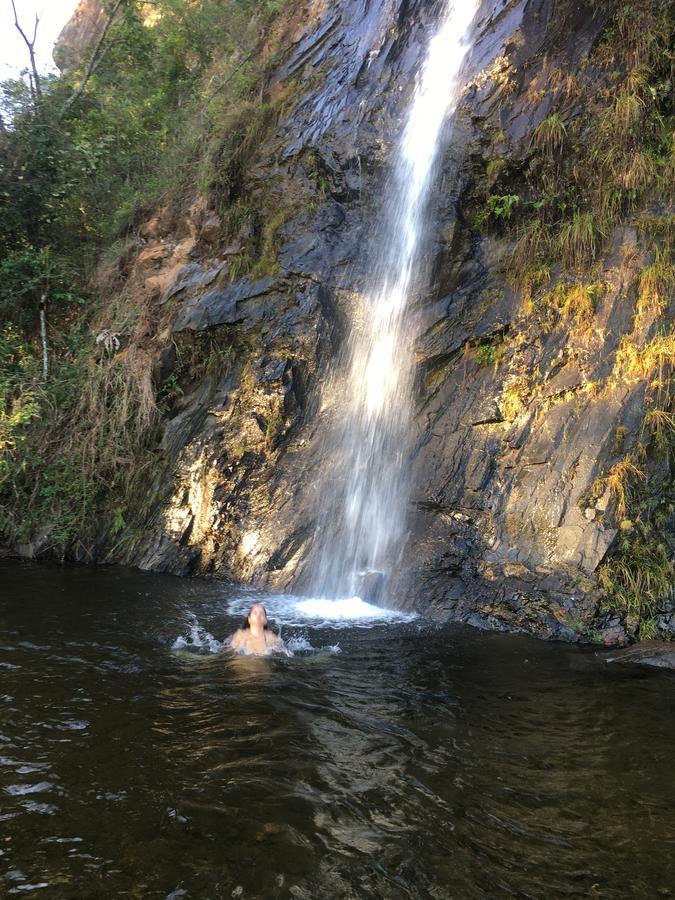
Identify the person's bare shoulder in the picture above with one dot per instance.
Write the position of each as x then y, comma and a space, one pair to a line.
238, 639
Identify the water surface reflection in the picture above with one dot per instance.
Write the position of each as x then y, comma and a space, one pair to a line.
415, 763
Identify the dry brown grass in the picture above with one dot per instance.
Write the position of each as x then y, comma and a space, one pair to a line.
650, 361
661, 425
656, 286
528, 270
639, 27
579, 240
640, 172
575, 301
549, 136
620, 481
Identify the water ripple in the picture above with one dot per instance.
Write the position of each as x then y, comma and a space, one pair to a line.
415, 763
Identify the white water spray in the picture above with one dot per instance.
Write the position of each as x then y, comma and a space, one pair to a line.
362, 528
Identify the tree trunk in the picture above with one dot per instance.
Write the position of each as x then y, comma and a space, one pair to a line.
43, 335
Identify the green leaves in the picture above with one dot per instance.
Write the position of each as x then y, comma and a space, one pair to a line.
501, 207
27, 275
18, 401
497, 207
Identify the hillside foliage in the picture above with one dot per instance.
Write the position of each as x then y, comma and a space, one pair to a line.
83, 162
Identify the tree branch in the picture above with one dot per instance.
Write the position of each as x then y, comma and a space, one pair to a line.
94, 61
36, 88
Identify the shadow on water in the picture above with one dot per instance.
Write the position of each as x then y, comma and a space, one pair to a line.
415, 763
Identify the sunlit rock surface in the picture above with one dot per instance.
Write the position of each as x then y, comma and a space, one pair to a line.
79, 34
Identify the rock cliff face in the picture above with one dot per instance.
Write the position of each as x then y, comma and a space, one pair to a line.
519, 415
79, 34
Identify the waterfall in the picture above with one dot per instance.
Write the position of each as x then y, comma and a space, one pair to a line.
362, 525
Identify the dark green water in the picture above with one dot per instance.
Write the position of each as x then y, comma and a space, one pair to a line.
415, 763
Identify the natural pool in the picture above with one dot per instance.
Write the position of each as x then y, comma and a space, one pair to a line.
386, 759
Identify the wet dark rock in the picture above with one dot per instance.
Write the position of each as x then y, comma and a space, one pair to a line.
665, 622
614, 636
320, 246
41, 544
191, 277
165, 365
656, 654
227, 305
371, 586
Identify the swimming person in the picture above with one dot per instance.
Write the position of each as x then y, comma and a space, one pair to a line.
255, 638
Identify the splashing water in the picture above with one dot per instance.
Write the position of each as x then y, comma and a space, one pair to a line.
362, 530
301, 646
197, 640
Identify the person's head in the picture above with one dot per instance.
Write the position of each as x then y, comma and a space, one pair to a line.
257, 616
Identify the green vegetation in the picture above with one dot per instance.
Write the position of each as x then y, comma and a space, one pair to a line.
595, 157
174, 92
81, 171
638, 578
497, 208
578, 240
16, 360
74, 446
491, 352
267, 263
656, 287
275, 426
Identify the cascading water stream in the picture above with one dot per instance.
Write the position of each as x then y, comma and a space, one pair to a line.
364, 497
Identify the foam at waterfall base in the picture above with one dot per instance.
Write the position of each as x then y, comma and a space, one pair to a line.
349, 609
318, 612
